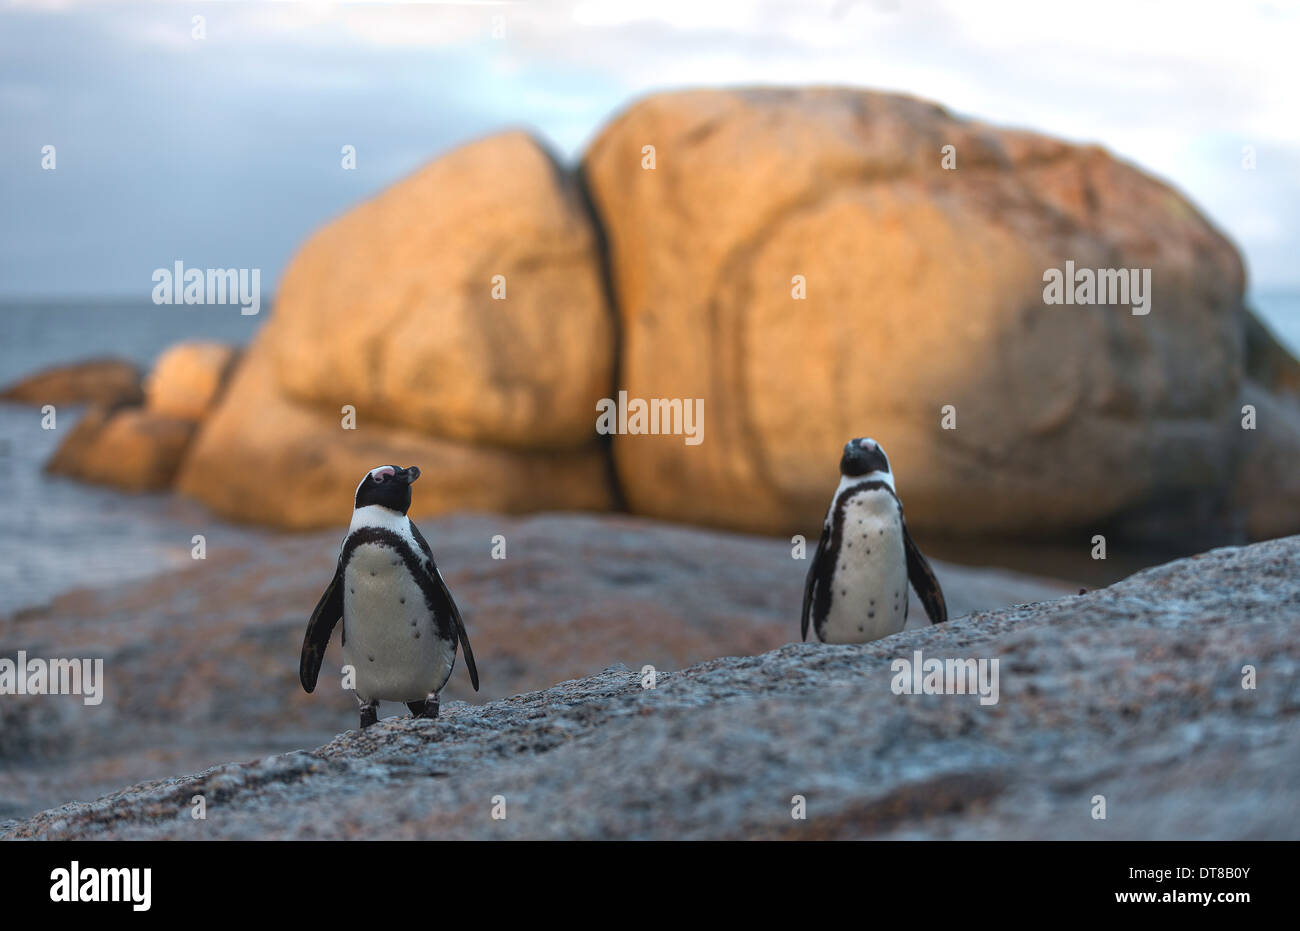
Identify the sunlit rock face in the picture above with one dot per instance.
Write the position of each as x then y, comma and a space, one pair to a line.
459, 321
818, 264
258, 432
465, 301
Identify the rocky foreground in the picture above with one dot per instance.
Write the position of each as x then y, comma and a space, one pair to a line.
202, 664
1134, 693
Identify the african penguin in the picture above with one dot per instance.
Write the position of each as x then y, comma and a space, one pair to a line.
856, 588
400, 624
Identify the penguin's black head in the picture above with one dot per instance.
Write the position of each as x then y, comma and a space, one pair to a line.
387, 486
863, 456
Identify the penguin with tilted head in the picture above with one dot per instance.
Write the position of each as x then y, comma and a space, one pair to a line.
400, 624
856, 588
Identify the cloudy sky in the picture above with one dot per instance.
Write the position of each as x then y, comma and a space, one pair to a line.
224, 151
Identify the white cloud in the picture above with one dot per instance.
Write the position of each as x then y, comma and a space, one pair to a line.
1177, 87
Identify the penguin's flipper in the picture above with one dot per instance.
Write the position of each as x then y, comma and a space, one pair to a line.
922, 578
449, 605
460, 629
810, 584
328, 611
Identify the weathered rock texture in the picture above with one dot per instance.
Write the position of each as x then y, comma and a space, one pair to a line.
924, 288
202, 664
1134, 693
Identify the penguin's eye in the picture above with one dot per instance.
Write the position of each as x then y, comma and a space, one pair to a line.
379, 479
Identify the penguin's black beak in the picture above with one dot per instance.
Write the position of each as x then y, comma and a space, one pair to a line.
408, 475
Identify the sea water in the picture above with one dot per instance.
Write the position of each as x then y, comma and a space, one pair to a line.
57, 534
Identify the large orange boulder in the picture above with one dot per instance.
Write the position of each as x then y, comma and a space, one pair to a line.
804, 262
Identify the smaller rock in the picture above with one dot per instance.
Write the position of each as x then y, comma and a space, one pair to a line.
1267, 489
187, 379
132, 448
107, 381
1268, 362
74, 449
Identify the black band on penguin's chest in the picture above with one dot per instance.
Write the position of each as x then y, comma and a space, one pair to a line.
414, 563
824, 595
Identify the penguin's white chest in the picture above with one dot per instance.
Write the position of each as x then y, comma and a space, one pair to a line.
391, 638
869, 584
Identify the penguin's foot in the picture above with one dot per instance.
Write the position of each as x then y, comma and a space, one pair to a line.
369, 712
425, 709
